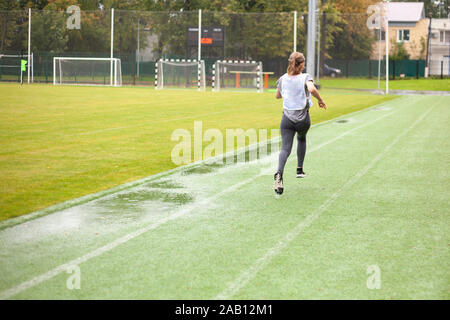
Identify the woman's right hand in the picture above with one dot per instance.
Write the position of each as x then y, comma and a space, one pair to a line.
322, 104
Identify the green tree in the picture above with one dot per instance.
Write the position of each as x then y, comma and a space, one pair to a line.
398, 51
33, 4
330, 26
12, 21
352, 40
50, 32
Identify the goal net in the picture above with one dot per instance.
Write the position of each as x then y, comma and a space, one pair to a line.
237, 75
180, 73
87, 71
10, 67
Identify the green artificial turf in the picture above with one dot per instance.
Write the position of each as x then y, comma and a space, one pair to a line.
375, 196
63, 142
430, 84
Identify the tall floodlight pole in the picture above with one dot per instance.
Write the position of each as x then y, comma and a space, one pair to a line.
380, 26
295, 31
318, 45
379, 56
386, 10
29, 44
199, 34
310, 52
112, 46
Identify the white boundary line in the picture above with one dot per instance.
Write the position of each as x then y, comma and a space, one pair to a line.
93, 196
246, 276
62, 268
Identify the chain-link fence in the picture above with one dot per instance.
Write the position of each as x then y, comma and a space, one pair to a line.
347, 46
13, 43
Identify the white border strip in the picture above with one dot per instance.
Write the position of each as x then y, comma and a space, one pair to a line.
93, 196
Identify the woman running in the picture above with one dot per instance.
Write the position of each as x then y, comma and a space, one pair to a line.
295, 88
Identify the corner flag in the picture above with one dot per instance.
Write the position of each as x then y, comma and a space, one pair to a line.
23, 65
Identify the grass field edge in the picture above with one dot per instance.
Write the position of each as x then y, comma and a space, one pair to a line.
399, 92
8, 223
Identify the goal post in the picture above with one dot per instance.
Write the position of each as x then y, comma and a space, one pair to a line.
10, 67
87, 71
237, 75
180, 74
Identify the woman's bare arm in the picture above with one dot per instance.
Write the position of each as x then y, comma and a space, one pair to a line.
278, 94
315, 93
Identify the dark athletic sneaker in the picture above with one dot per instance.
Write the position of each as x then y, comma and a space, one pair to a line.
278, 183
300, 173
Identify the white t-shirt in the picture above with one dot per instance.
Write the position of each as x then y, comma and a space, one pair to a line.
294, 92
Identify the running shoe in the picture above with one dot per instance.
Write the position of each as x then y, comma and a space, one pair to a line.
278, 183
300, 173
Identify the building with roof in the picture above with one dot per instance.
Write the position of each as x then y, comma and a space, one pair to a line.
439, 56
408, 28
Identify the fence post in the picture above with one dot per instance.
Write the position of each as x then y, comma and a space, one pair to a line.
442, 69
112, 49
370, 69
19, 75
393, 69
417, 69
199, 49
29, 45
134, 70
46, 67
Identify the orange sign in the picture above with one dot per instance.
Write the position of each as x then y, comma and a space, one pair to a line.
206, 40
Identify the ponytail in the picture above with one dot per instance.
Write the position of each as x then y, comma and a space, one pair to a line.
296, 63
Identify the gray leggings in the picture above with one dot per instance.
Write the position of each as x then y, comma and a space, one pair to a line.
288, 130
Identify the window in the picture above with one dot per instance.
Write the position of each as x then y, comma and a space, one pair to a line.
377, 35
444, 36
403, 35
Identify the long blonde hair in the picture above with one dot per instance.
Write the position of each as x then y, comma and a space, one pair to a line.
296, 63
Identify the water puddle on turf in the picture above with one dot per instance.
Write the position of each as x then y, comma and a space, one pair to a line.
346, 121
143, 204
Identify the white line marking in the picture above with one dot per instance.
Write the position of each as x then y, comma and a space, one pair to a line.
62, 268
73, 202
246, 276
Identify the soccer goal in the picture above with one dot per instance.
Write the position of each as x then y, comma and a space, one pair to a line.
10, 67
87, 71
180, 73
237, 75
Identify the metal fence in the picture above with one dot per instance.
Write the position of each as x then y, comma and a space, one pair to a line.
346, 45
